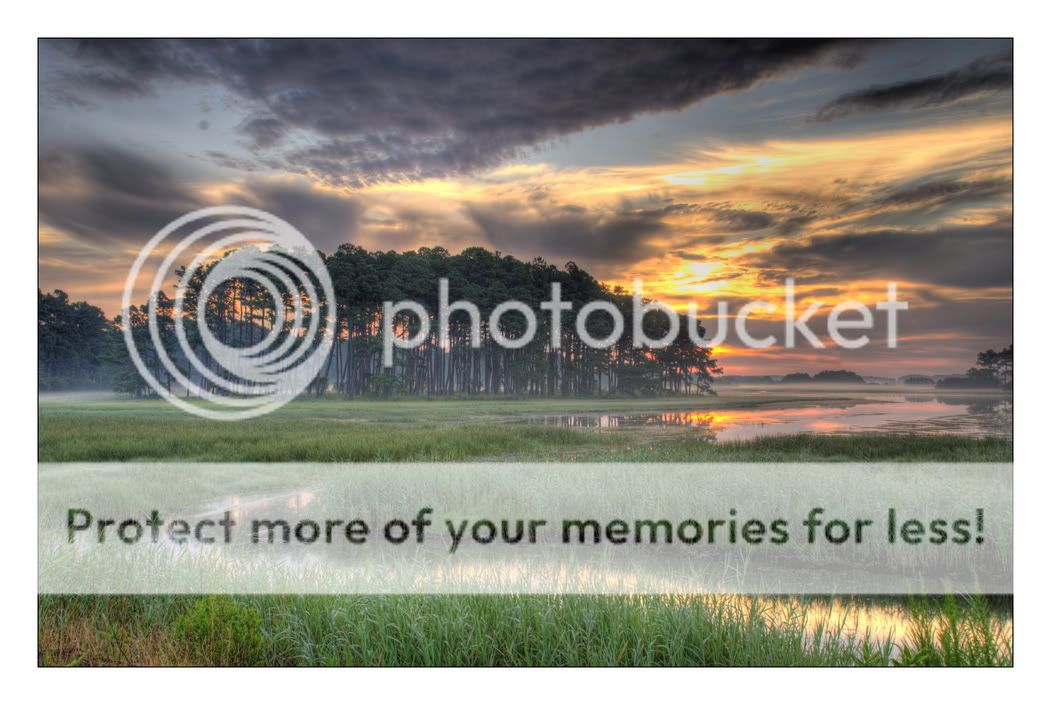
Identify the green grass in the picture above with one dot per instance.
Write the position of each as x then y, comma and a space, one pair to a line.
862, 447
482, 630
330, 431
487, 630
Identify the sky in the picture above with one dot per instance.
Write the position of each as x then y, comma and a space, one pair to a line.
710, 169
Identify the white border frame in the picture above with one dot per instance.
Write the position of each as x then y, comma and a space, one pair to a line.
538, 18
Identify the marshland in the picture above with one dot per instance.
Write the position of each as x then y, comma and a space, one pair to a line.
834, 424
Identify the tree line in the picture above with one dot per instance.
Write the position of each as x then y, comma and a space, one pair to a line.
80, 348
993, 369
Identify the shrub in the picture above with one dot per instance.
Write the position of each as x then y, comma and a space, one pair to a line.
221, 632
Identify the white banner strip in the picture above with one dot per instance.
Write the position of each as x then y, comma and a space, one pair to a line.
770, 528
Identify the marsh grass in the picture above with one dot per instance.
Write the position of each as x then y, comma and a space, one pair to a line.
495, 630
490, 630
954, 635
326, 431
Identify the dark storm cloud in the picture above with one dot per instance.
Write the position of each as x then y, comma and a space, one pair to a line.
721, 216
264, 131
394, 109
735, 220
109, 85
945, 191
121, 69
691, 256
623, 236
114, 170
986, 75
795, 223
724, 219
105, 194
108, 195
571, 233
960, 256
328, 220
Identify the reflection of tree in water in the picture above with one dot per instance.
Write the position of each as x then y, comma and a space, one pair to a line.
992, 414
700, 424
991, 405
980, 405
980, 415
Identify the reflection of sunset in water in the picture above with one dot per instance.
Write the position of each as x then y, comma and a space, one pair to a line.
889, 413
885, 624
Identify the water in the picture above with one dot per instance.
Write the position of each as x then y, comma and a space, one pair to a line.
886, 621
881, 621
968, 415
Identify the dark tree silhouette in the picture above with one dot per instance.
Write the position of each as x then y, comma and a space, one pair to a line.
364, 280
838, 377
73, 342
241, 313
992, 370
999, 365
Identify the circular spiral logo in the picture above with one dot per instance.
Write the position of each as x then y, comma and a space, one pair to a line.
255, 278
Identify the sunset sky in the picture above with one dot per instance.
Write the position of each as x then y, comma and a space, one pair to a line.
710, 169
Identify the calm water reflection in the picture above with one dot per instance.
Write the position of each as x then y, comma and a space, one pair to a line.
887, 621
988, 415
878, 621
